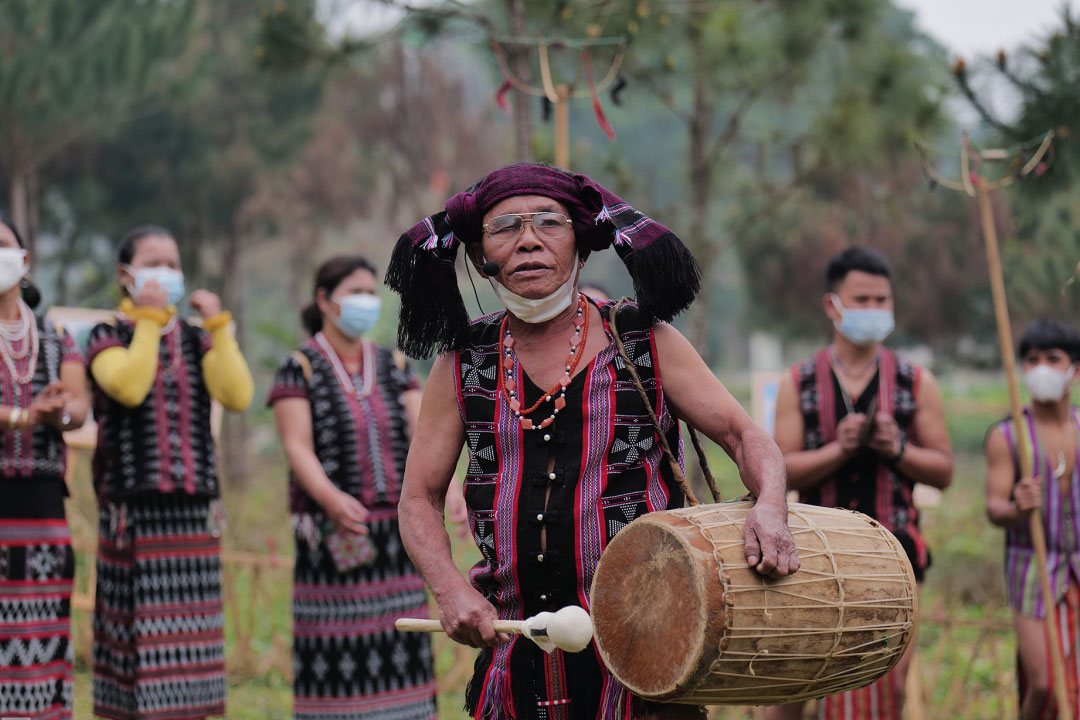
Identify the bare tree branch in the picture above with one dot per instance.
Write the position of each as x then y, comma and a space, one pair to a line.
452, 10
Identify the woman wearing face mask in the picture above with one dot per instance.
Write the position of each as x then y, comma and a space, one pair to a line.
346, 411
42, 393
158, 642
1049, 352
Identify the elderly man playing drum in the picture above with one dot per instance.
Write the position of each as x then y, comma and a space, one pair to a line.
562, 452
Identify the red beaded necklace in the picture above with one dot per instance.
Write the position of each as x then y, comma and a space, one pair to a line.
506, 374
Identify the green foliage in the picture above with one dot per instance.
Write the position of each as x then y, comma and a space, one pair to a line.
194, 164
1041, 248
1042, 258
69, 67
1044, 75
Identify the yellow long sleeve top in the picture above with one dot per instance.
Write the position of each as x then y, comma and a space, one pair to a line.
126, 374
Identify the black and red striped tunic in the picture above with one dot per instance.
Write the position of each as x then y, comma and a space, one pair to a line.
866, 482
608, 470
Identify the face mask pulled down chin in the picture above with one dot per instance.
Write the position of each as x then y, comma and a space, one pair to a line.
863, 326
12, 267
1047, 384
541, 309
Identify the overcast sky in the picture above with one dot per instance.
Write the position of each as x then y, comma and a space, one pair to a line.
967, 27
982, 27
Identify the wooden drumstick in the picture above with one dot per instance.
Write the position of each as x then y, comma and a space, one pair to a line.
568, 629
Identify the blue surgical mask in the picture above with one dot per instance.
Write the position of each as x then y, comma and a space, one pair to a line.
172, 281
359, 313
863, 326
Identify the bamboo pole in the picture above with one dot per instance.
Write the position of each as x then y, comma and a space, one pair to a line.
562, 126
1008, 359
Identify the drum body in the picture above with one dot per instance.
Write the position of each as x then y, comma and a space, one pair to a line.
680, 617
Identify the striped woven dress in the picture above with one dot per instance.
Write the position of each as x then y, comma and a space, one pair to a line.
36, 562
1061, 522
158, 621
349, 661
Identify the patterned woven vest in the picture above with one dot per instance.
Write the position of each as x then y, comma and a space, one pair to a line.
579, 482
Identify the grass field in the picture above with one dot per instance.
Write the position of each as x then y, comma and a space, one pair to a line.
965, 649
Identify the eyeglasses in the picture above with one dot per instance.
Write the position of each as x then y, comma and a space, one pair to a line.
547, 225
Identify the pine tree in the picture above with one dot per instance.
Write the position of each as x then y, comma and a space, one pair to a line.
72, 70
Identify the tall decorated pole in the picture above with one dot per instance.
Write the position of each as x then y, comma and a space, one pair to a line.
559, 94
982, 189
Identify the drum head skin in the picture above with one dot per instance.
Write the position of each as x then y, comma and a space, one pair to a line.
649, 609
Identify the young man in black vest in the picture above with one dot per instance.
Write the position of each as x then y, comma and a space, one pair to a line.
858, 428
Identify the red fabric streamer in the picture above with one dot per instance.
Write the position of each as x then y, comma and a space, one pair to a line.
500, 96
598, 110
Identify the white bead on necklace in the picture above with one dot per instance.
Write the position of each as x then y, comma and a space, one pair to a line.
25, 330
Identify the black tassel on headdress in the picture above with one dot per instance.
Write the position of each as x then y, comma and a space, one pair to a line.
666, 276
422, 271
433, 317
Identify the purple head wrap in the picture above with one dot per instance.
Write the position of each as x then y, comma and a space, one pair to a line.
433, 317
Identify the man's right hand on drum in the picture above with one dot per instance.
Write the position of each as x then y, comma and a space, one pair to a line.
768, 544
702, 401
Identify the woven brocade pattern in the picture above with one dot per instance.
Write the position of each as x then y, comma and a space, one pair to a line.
41, 451
165, 443
158, 621
349, 662
607, 469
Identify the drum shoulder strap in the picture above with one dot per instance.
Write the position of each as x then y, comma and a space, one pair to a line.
304, 363
676, 470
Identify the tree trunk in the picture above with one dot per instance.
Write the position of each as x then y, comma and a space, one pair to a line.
700, 186
235, 427
519, 66
700, 181
18, 200
33, 210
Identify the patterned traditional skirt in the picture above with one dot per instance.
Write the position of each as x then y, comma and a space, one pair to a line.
348, 660
1068, 622
158, 622
36, 572
873, 702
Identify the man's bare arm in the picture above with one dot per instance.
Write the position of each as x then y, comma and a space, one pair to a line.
440, 434
698, 396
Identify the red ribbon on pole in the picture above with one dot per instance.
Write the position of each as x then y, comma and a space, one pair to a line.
598, 109
500, 96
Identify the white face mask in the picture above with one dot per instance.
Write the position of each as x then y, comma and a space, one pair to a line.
542, 309
12, 267
1046, 384
863, 326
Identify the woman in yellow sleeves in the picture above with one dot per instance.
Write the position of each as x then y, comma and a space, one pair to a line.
158, 622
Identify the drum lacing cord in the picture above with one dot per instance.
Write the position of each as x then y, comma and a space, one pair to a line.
680, 477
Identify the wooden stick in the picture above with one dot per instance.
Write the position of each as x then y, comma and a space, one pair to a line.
1008, 359
916, 701
419, 625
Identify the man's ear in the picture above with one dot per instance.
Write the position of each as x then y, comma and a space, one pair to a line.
474, 254
828, 304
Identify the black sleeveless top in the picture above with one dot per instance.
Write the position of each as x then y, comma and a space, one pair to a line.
608, 469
